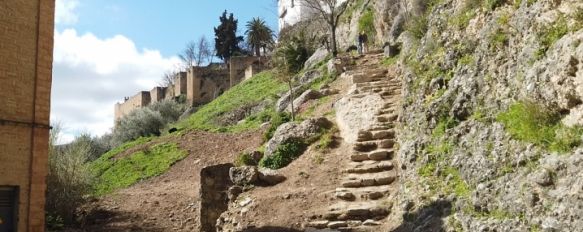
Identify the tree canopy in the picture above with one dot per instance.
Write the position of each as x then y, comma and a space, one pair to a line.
226, 39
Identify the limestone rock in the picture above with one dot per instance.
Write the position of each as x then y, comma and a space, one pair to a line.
244, 175
270, 177
307, 95
293, 130
319, 55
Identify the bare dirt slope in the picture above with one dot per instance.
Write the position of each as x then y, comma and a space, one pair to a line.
168, 202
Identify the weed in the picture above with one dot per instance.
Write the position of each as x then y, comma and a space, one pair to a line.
493, 4
417, 25
549, 35
245, 159
532, 123
499, 39
284, 154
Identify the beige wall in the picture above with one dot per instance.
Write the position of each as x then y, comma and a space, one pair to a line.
239, 65
157, 94
135, 102
26, 42
180, 84
205, 84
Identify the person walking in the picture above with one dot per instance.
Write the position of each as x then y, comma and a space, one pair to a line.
364, 42
360, 43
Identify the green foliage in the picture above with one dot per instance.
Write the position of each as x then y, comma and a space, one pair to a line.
327, 139
549, 35
467, 59
68, 179
443, 124
245, 159
493, 4
366, 23
462, 20
148, 121
260, 87
226, 39
259, 35
389, 61
121, 172
530, 2
352, 7
284, 154
291, 54
276, 120
533, 123
417, 25
499, 39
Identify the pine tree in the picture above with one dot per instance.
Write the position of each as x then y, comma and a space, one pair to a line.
226, 39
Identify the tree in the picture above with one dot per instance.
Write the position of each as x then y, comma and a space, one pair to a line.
203, 50
226, 39
188, 55
259, 35
330, 12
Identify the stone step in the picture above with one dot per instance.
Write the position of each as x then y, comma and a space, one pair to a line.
376, 134
387, 118
366, 193
357, 211
370, 166
371, 145
369, 179
378, 155
322, 224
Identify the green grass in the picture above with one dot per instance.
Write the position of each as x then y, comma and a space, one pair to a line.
113, 174
462, 20
389, 61
549, 35
498, 39
260, 87
244, 159
535, 124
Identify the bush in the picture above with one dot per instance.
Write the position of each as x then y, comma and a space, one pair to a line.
68, 179
417, 25
276, 120
533, 123
292, 53
148, 121
245, 159
284, 154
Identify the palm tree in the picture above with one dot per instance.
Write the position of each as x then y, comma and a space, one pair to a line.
259, 35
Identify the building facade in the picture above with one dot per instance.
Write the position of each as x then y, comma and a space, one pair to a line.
26, 48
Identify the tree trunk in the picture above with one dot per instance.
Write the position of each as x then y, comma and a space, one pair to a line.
291, 96
334, 48
257, 50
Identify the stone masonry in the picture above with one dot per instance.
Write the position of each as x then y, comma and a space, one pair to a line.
26, 42
199, 85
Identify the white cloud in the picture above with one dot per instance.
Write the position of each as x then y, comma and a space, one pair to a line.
91, 74
65, 11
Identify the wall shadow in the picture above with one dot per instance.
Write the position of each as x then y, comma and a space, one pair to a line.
428, 218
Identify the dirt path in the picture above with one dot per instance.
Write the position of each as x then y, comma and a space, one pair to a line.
168, 202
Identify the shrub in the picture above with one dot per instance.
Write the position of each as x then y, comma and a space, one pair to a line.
68, 179
548, 36
533, 123
169, 110
493, 4
142, 122
276, 120
245, 159
417, 25
284, 154
291, 54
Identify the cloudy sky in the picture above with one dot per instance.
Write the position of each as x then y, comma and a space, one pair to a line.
107, 49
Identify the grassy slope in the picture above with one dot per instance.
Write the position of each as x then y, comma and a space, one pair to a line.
112, 174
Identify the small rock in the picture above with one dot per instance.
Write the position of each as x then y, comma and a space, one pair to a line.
245, 201
244, 175
337, 224
543, 178
270, 177
371, 222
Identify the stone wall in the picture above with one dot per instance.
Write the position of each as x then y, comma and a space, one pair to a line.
25, 85
205, 84
240, 64
180, 84
214, 183
137, 101
157, 94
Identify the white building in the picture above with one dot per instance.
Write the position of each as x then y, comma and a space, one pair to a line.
294, 11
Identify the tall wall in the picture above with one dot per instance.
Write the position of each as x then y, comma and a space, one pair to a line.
205, 84
137, 101
157, 94
239, 65
26, 41
180, 84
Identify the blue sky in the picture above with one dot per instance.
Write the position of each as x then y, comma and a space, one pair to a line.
165, 25
106, 50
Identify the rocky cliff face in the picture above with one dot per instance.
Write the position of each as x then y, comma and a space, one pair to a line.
468, 68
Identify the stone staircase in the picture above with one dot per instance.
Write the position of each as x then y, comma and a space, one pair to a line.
363, 200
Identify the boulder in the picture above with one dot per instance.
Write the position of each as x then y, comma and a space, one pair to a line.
284, 101
243, 175
309, 77
318, 56
293, 130
307, 95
